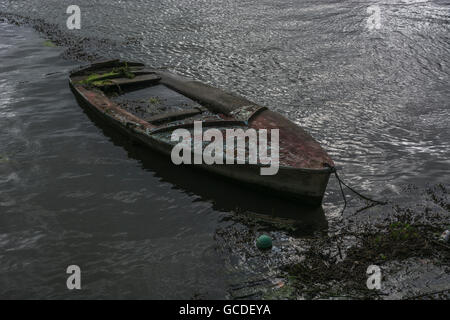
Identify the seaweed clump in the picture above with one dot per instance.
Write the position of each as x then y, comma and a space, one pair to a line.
98, 80
328, 272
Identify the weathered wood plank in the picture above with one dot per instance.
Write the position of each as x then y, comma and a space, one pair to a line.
174, 115
138, 80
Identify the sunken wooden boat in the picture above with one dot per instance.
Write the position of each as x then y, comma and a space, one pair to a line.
148, 105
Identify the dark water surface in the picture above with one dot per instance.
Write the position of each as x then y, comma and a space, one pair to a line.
73, 192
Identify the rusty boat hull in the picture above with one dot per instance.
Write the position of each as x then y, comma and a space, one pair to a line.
304, 166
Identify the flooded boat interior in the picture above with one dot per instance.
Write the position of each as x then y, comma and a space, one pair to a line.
139, 92
158, 105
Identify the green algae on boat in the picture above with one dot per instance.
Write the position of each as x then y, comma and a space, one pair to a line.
154, 100
97, 80
93, 78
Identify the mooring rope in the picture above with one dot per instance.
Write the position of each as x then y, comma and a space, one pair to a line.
341, 182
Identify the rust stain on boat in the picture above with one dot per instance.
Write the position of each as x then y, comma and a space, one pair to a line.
297, 148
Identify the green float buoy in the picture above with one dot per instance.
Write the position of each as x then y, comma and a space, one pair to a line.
264, 242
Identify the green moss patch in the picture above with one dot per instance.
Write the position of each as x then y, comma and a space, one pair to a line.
96, 79
49, 43
103, 79
154, 100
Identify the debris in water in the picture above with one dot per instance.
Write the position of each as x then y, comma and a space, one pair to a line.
445, 236
264, 242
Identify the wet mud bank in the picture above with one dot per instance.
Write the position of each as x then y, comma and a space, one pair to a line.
77, 48
332, 263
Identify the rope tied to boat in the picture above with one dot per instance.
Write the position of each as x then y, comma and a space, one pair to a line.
342, 183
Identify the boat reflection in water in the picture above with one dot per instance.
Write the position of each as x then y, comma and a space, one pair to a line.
224, 195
